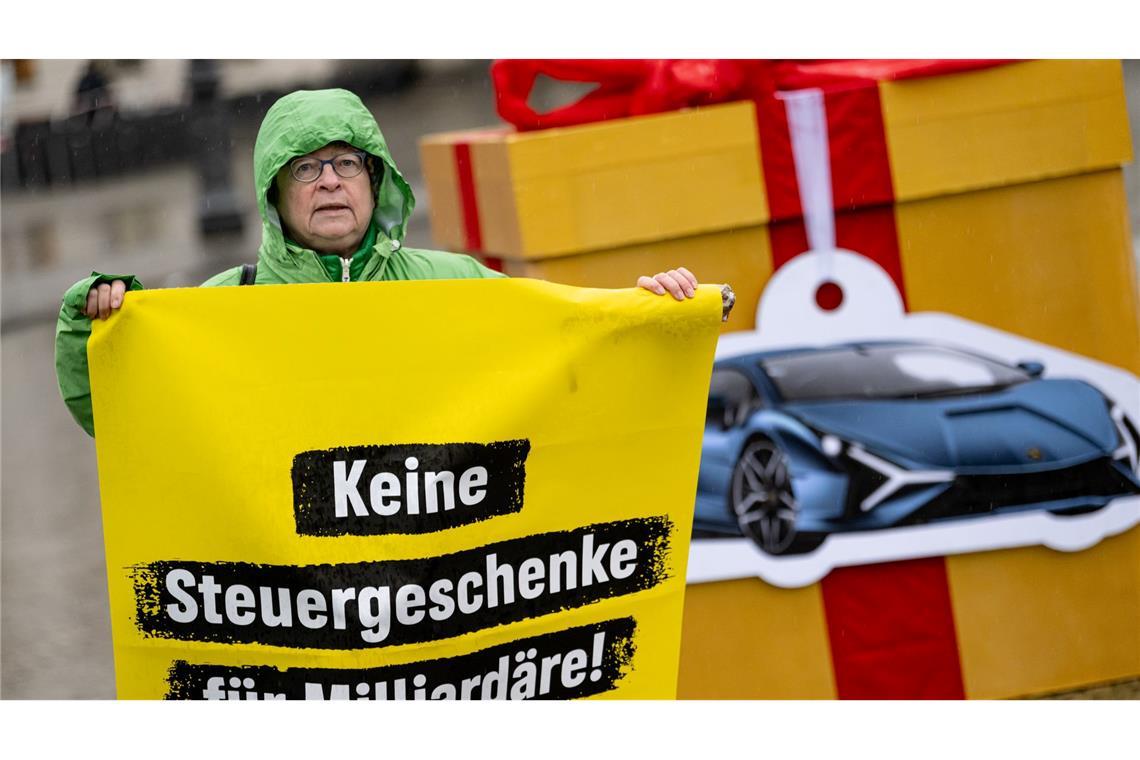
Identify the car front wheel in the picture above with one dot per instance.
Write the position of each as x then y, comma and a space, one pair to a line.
764, 501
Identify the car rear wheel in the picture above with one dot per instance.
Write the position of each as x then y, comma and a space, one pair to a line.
764, 502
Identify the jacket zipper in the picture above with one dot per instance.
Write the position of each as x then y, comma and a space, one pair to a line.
344, 266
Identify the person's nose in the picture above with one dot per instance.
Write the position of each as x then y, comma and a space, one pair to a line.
329, 179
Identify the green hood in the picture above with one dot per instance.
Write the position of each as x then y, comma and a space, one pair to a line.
301, 123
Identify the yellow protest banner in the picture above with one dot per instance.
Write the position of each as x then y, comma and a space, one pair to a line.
406, 490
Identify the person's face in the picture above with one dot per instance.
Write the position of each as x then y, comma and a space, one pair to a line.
329, 214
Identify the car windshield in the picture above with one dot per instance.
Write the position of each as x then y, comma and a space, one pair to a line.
885, 372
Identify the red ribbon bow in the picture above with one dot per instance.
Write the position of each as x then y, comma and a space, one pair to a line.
637, 87
626, 87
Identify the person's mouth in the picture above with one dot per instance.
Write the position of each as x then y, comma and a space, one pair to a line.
332, 207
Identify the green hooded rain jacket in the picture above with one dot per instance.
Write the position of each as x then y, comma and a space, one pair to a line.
299, 123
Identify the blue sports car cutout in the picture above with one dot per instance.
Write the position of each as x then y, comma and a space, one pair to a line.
803, 443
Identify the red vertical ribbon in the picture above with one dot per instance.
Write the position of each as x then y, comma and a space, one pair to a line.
777, 164
890, 625
891, 628
467, 200
860, 163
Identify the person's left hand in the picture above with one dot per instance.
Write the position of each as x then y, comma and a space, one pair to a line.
680, 283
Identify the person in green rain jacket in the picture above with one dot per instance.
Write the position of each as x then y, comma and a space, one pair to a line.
334, 208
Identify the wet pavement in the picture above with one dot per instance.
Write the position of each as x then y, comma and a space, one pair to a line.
55, 639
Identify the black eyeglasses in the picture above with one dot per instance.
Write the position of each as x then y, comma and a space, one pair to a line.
307, 168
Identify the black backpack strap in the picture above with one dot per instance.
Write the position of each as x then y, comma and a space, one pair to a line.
248, 274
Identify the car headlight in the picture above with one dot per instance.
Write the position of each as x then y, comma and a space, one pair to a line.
1128, 439
831, 445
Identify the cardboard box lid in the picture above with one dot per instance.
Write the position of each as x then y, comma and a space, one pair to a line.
895, 134
620, 182
1000, 126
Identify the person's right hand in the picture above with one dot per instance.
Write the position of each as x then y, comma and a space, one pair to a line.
105, 298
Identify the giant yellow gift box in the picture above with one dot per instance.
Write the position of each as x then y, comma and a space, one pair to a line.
1004, 204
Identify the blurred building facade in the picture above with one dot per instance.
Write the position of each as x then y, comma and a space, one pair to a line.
44, 89
69, 121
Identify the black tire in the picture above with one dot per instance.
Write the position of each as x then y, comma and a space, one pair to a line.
764, 503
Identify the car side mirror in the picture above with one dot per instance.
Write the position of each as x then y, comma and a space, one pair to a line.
718, 413
1033, 369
